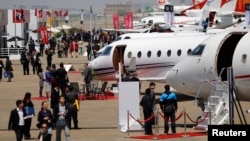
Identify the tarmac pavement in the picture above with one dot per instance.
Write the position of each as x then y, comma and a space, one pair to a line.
98, 119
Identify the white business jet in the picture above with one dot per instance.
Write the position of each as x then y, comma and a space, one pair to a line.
204, 75
209, 60
154, 56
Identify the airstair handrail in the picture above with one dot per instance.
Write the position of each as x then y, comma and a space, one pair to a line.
202, 83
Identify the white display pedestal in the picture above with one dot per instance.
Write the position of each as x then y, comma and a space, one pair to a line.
129, 98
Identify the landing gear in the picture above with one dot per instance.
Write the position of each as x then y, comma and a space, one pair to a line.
200, 104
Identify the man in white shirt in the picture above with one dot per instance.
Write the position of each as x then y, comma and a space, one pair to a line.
16, 120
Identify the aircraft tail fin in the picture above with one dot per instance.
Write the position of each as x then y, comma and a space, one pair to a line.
240, 5
195, 6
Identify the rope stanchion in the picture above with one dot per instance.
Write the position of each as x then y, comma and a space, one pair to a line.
156, 116
128, 136
185, 123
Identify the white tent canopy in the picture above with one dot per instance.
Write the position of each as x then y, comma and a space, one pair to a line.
64, 27
54, 30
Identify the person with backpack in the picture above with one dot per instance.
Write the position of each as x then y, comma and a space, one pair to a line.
168, 105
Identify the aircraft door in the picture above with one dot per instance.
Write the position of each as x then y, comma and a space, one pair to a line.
118, 57
226, 51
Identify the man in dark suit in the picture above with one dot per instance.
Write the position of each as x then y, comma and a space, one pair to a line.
16, 120
87, 77
62, 77
55, 93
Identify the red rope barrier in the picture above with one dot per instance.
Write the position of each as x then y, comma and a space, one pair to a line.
143, 120
167, 120
196, 121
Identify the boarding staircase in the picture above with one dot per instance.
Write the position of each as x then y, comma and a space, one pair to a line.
216, 110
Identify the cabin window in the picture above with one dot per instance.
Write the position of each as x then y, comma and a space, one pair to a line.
139, 54
179, 52
189, 51
244, 59
158, 53
106, 51
198, 50
149, 54
129, 54
169, 53
127, 37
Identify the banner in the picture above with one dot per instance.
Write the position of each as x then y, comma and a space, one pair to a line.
169, 15
116, 21
247, 14
130, 20
44, 34
39, 13
126, 21
20, 16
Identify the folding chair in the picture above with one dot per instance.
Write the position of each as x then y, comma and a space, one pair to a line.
101, 91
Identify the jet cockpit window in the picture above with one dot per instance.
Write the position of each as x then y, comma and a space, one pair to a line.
158, 53
149, 54
127, 37
189, 51
198, 50
139, 54
107, 51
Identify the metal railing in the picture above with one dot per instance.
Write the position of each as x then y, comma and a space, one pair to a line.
4, 52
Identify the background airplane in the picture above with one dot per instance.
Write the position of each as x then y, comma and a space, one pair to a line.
216, 14
177, 8
154, 56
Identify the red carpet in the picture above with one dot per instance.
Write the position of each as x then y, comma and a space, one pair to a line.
109, 97
38, 98
170, 136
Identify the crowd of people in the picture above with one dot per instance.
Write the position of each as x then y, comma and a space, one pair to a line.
61, 97
63, 110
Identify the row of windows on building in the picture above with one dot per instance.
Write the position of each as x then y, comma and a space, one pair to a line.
159, 53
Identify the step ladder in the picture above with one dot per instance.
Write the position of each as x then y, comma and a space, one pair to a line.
216, 110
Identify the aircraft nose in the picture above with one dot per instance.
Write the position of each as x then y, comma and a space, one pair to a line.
171, 77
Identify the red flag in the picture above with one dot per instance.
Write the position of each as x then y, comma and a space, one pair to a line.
126, 21
48, 13
116, 21
66, 13
44, 34
130, 20
18, 16
58, 13
40, 13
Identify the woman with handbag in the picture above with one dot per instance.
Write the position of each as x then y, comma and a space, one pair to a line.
30, 111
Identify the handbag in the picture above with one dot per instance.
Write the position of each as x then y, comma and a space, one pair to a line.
5, 74
77, 105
